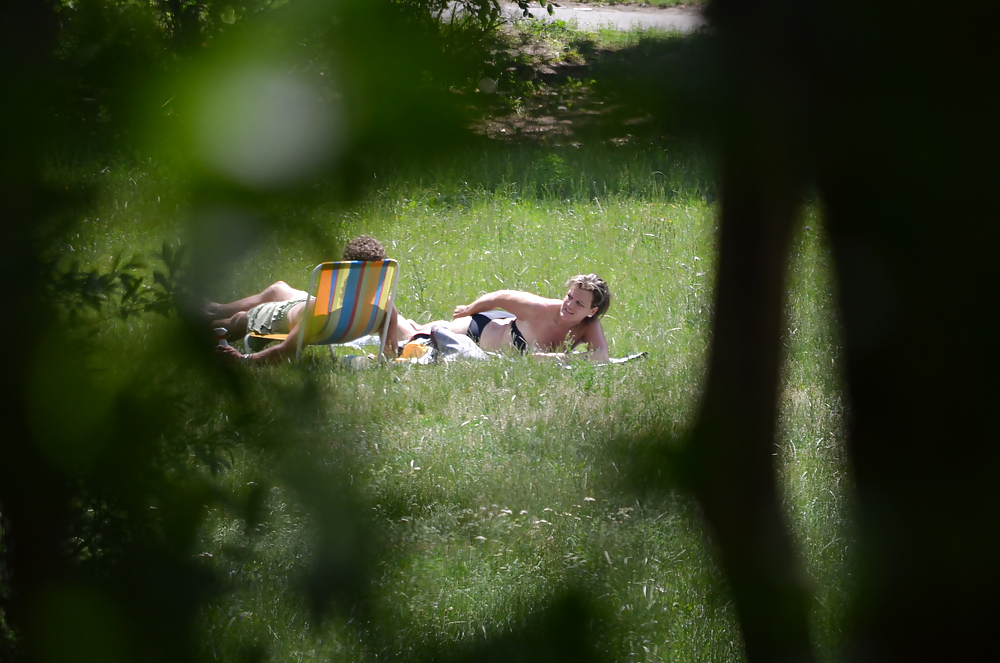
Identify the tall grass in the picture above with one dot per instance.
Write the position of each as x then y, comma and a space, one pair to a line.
489, 485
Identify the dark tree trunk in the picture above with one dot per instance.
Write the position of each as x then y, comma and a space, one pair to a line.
734, 440
33, 499
895, 115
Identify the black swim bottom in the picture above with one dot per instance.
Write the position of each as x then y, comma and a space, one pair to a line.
517, 338
480, 320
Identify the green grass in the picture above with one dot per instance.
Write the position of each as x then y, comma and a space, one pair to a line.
813, 457
490, 487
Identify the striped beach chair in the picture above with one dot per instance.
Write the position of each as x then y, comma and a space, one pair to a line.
347, 300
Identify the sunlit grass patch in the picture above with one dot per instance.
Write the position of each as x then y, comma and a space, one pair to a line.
817, 491
491, 488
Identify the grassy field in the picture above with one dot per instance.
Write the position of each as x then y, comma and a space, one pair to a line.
491, 489
470, 499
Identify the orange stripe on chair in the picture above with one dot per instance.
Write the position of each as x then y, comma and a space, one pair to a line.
326, 278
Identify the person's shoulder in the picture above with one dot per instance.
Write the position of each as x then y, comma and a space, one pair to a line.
592, 330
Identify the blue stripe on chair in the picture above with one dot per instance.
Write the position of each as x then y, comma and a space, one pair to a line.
350, 303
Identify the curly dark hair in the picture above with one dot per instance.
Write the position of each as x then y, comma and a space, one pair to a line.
364, 247
598, 289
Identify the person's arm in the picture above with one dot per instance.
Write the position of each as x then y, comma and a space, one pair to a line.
521, 304
272, 355
277, 353
597, 345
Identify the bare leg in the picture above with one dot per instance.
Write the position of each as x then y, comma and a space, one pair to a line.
279, 291
405, 328
456, 326
236, 324
390, 344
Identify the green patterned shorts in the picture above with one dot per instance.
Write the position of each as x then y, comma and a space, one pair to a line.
271, 318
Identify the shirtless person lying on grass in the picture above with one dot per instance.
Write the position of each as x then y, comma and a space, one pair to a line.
530, 322
279, 307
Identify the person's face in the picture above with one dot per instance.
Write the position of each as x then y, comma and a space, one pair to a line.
577, 305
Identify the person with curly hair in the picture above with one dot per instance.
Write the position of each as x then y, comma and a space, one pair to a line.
278, 308
529, 322
364, 247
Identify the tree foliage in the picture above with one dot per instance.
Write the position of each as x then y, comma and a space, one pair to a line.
103, 485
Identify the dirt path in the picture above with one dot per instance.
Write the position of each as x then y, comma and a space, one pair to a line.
622, 17
560, 108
